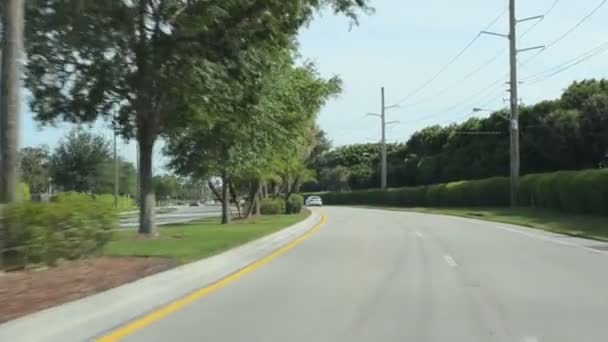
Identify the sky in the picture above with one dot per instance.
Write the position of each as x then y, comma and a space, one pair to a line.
405, 44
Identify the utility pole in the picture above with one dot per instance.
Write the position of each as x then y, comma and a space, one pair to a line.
514, 126
514, 168
383, 153
10, 99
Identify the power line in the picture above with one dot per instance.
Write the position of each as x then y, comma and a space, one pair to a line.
536, 23
568, 32
487, 62
548, 73
459, 82
450, 62
577, 25
461, 103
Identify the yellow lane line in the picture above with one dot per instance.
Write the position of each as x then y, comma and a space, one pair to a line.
179, 304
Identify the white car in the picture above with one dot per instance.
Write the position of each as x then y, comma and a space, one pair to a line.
314, 201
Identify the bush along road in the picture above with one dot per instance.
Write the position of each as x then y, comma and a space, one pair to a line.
69, 248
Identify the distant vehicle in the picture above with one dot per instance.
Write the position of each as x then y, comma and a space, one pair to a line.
194, 204
314, 201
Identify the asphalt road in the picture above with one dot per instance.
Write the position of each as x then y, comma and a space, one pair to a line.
373, 275
182, 214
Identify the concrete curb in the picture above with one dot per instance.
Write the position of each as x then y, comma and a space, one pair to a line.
87, 318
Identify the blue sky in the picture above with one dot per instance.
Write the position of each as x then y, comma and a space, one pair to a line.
405, 43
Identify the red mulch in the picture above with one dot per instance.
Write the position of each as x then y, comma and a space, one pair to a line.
22, 293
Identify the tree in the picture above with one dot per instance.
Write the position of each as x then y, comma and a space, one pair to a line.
564, 134
127, 178
166, 187
335, 179
150, 62
35, 171
268, 134
10, 100
78, 162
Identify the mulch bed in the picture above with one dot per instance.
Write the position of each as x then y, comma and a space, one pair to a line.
26, 292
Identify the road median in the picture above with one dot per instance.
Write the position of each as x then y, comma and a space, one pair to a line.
96, 314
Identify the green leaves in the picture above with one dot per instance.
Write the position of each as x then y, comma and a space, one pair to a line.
35, 168
265, 128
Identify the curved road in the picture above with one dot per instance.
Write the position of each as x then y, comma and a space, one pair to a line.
372, 275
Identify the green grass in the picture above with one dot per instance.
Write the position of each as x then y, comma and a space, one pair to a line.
192, 241
587, 226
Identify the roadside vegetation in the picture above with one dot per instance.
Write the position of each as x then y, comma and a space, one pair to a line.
568, 202
221, 84
193, 241
565, 134
576, 192
564, 154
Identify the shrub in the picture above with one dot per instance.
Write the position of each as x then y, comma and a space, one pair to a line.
71, 227
275, 206
124, 203
583, 192
295, 204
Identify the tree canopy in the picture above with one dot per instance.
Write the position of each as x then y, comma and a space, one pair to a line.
154, 64
265, 136
35, 168
569, 133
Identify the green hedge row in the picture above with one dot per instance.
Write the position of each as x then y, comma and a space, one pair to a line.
278, 206
272, 206
295, 204
124, 203
580, 192
71, 227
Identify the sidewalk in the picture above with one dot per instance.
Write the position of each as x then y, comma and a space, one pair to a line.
87, 318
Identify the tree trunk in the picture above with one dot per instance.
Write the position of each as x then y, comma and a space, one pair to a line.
146, 186
10, 101
290, 188
258, 200
254, 194
236, 199
225, 198
265, 190
275, 189
217, 194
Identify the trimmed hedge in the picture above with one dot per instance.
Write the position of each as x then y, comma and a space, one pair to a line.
124, 203
579, 192
42, 233
295, 204
273, 206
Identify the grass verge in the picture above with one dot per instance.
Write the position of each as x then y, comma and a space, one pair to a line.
587, 226
192, 241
